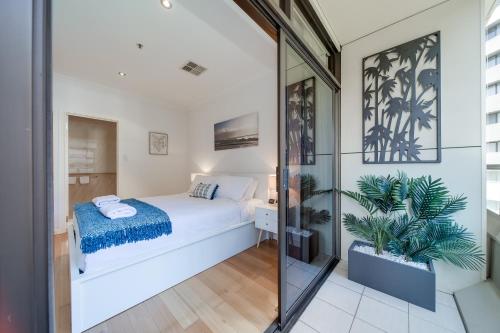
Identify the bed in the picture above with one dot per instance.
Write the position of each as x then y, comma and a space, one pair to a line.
204, 233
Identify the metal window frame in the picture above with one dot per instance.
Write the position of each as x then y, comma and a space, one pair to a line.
495, 57
314, 21
494, 29
287, 35
278, 18
43, 197
312, 18
288, 317
496, 119
495, 85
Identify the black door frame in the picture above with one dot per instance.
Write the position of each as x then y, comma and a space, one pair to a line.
288, 318
287, 35
26, 177
282, 22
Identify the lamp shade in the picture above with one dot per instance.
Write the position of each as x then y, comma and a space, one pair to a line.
194, 174
271, 187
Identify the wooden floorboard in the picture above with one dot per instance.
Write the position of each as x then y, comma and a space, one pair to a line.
237, 295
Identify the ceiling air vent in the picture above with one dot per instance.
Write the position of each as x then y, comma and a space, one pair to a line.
193, 68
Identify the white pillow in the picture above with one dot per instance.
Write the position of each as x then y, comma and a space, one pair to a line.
251, 190
233, 187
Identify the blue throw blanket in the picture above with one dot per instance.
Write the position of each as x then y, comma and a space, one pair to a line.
98, 232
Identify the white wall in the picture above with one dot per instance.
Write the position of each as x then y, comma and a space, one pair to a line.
462, 159
139, 174
257, 96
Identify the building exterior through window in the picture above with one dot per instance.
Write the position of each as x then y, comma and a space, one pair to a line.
493, 111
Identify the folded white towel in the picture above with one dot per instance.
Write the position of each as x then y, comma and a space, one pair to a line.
118, 210
84, 180
105, 200
72, 180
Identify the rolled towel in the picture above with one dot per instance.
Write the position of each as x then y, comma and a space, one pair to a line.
84, 180
105, 200
118, 210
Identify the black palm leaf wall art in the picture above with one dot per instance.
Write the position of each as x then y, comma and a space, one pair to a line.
301, 122
401, 103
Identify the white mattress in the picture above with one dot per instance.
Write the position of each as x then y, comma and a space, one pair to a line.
192, 219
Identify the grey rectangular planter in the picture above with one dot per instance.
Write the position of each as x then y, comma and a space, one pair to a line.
408, 283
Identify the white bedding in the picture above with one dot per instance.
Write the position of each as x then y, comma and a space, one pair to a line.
192, 220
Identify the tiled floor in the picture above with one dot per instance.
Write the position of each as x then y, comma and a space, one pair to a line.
300, 274
345, 306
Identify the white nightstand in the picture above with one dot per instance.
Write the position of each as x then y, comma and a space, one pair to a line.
266, 219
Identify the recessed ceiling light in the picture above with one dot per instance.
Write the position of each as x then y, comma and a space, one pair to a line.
122, 74
166, 3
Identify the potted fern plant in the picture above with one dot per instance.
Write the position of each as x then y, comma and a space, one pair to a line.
408, 225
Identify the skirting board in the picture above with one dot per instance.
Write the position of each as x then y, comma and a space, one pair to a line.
99, 297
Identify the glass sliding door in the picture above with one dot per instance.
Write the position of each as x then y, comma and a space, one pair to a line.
308, 177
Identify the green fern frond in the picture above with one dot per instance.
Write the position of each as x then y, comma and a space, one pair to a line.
427, 195
357, 227
405, 227
451, 206
383, 192
362, 200
400, 191
370, 187
449, 242
465, 255
375, 229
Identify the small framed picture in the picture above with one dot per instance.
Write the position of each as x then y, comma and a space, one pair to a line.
158, 143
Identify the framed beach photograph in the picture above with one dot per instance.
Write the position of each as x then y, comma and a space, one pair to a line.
158, 143
238, 132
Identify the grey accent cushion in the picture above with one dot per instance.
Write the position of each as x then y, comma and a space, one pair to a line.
205, 191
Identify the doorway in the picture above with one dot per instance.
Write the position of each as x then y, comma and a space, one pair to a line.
91, 158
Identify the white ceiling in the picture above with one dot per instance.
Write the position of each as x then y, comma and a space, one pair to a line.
94, 40
352, 19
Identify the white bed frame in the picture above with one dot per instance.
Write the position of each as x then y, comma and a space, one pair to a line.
98, 296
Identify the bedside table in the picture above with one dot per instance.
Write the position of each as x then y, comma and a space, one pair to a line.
266, 219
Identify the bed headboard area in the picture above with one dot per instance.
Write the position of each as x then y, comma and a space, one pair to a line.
261, 178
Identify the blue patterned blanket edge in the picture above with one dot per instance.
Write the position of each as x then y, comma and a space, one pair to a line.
99, 232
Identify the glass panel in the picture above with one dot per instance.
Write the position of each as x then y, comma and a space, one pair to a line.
309, 227
491, 89
492, 118
492, 32
491, 147
492, 61
306, 32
